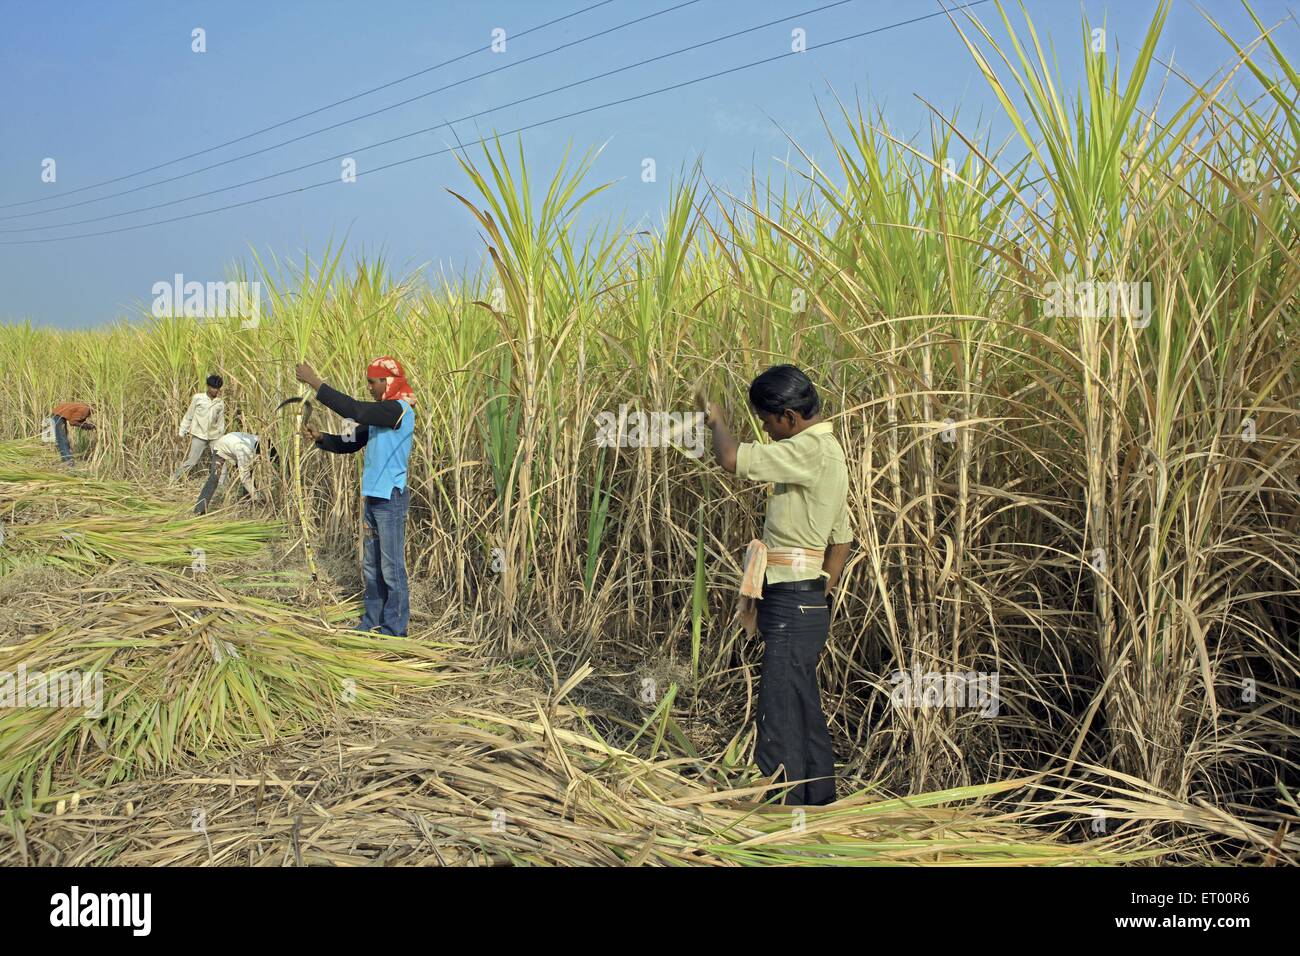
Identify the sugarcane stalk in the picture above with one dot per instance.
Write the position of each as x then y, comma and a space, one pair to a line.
300, 496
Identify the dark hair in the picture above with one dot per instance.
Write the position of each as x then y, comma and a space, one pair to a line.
784, 388
214, 381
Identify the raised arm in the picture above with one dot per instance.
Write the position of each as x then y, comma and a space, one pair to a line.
385, 414
382, 414
724, 443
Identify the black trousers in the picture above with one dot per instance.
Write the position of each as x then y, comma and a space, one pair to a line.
792, 729
210, 486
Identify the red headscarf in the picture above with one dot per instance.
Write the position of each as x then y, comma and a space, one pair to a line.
390, 370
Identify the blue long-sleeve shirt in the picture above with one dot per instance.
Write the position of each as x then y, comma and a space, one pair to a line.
386, 427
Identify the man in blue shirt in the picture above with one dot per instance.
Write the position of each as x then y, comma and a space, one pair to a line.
384, 427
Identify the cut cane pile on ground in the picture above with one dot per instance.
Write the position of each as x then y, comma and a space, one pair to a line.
1101, 509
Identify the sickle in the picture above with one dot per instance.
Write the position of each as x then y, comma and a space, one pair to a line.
306, 407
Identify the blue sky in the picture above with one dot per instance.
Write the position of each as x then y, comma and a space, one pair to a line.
107, 89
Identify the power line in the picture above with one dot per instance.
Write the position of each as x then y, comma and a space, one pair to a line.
519, 129
333, 126
390, 141
294, 119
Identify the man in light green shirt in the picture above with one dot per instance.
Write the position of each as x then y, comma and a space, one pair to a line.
808, 507
807, 514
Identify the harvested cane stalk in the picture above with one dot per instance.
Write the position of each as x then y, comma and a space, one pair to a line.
300, 419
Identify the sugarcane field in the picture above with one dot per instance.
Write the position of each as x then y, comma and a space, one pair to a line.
607, 434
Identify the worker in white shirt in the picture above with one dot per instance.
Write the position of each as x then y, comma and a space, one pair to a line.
237, 450
204, 422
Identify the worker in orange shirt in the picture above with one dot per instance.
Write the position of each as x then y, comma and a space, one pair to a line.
76, 414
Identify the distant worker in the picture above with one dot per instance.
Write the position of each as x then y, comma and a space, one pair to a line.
204, 423
76, 414
233, 451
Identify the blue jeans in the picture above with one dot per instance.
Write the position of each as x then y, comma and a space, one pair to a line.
383, 564
61, 436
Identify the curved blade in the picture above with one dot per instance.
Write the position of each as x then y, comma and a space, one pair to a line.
306, 407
